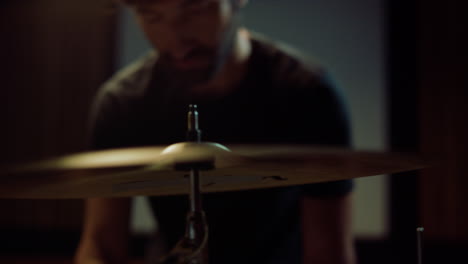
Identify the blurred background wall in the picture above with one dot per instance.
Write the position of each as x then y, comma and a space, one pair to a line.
400, 64
53, 56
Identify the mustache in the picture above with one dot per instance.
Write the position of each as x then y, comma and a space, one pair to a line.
196, 53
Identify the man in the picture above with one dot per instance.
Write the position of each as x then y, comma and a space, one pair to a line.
248, 91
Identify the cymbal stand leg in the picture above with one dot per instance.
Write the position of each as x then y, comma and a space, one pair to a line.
197, 228
191, 249
195, 195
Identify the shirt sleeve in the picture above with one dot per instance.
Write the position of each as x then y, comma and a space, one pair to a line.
320, 117
105, 122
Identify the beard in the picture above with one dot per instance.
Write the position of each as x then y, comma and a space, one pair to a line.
201, 67
208, 60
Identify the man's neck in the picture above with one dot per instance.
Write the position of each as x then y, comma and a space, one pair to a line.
233, 70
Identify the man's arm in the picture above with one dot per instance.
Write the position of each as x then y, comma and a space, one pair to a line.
327, 232
106, 232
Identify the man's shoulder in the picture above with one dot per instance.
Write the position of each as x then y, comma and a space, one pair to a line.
133, 79
286, 63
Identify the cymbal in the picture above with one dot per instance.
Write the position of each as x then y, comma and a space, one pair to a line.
159, 170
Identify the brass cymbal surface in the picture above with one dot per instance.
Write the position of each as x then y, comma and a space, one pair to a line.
159, 170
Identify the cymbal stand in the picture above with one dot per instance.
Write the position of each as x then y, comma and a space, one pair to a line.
419, 232
191, 249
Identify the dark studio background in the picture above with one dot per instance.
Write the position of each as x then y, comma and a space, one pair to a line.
54, 55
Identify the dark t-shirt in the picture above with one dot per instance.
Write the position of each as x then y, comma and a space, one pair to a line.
282, 99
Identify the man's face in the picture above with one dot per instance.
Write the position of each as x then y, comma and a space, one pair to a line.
187, 34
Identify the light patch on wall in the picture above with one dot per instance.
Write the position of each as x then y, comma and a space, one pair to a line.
142, 220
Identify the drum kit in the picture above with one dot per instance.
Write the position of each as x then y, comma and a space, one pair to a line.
193, 167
